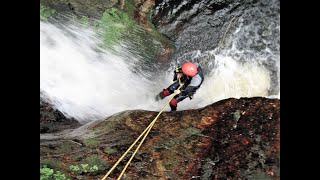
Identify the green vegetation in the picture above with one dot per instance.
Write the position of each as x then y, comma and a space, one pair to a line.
49, 174
129, 7
84, 21
49, 163
118, 25
46, 12
91, 142
96, 160
192, 131
83, 168
110, 150
113, 24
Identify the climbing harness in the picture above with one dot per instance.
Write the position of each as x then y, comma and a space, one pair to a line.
145, 133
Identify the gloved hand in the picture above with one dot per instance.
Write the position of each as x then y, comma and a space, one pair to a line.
177, 91
158, 97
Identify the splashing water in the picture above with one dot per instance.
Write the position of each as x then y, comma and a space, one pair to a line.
88, 83
230, 78
249, 63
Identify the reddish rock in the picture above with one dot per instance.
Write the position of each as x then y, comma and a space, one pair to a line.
230, 139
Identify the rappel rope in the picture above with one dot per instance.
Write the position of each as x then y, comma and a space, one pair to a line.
147, 130
145, 133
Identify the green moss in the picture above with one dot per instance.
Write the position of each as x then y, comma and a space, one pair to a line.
129, 7
46, 12
91, 142
95, 160
77, 156
65, 148
113, 25
49, 163
185, 152
117, 25
110, 150
260, 175
84, 21
170, 161
108, 125
192, 131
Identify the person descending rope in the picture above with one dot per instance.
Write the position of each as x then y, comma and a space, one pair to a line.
191, 75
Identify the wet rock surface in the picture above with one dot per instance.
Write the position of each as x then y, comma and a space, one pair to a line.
91, 9
52, 120
230, 139
204, 25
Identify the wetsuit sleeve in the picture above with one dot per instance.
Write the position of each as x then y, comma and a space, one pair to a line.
173, 87
175, 72
174, 76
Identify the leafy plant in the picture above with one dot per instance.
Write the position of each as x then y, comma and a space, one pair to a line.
49, 163
83, 168
49, 174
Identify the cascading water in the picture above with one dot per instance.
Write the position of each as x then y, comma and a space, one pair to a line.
246, 63
88, 83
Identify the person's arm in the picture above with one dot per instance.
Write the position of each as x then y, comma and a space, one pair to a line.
175, 73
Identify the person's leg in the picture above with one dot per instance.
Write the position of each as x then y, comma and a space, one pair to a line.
174, 102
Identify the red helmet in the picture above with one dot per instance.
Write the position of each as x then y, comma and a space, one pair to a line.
189, 69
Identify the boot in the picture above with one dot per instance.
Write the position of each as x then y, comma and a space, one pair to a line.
173, 104
164, 93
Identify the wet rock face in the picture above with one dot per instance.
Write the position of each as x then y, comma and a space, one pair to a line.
142, 9
193, 24
52, 120
246, 141
230, 139
91, 9
95, 8
201, 25
180, 12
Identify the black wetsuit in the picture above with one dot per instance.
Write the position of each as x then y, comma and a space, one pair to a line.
191, 85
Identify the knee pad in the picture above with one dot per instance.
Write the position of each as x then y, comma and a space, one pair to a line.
173, 103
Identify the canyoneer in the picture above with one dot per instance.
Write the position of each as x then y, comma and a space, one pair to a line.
191, 75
